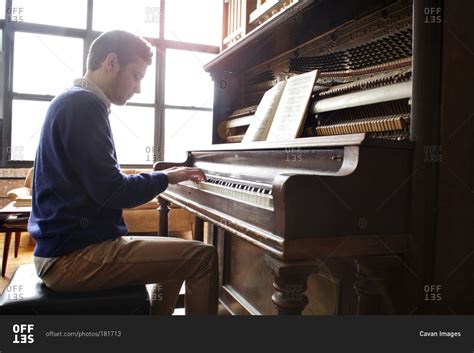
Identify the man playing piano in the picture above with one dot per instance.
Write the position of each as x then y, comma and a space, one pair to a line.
79, 193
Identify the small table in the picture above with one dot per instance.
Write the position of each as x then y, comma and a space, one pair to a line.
13, 220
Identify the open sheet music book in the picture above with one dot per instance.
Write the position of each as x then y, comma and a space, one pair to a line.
282, 110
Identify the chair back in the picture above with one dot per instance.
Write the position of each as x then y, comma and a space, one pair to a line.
29, 178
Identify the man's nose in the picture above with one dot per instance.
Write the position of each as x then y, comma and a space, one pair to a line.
137, 89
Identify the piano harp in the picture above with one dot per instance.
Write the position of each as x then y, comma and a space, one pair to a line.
347, 206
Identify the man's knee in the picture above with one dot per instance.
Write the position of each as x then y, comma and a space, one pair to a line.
208, 253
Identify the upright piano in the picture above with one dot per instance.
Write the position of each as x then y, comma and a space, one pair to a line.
352, 216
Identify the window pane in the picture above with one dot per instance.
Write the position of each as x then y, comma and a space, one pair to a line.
147, 85
2, 9
27, 120
132, 128
194, 21
187, 84
140, 17
57, 62
186, 130
70, 13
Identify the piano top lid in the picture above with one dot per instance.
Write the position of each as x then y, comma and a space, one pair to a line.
260, 33
305, 142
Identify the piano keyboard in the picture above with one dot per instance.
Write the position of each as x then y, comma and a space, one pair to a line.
257, 194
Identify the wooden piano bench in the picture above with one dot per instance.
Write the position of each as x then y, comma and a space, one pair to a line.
27, 295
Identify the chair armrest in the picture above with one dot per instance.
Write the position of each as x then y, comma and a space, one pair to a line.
18, 192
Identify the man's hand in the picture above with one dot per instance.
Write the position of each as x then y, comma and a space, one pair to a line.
178, 174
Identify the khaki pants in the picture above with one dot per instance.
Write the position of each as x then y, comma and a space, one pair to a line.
130, 260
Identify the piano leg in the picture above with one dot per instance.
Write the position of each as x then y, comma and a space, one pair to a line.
372, 276
164, 210
198, 229
290, 283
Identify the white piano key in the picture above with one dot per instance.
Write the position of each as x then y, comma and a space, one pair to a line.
241, 191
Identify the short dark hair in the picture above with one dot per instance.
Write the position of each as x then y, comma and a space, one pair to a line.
125, 45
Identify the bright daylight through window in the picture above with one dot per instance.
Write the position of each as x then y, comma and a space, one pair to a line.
190, 39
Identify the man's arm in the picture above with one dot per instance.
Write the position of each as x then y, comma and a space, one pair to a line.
87, 141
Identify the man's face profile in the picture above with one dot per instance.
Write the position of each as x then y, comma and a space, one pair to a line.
125, 81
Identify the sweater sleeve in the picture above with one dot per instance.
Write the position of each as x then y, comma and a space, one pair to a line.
89, 147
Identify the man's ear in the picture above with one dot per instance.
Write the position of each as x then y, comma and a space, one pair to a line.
111, 63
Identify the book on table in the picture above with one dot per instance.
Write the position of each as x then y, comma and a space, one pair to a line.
23, 201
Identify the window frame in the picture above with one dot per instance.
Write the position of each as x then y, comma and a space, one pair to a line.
160, 45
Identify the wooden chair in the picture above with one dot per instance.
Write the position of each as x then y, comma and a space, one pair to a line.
12, 225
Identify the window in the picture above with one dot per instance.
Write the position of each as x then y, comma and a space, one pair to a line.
26, 128
45, 64
2, 9
70, 13
132, 129
184, 25
187, 84
48, 51
140, 17
186, 130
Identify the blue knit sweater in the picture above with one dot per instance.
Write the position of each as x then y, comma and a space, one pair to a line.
78, 190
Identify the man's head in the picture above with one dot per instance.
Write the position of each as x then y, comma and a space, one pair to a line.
117, 62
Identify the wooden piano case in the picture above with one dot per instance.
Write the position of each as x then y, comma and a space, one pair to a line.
419, 231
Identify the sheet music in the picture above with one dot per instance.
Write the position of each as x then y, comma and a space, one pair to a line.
291, 111
262, 120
